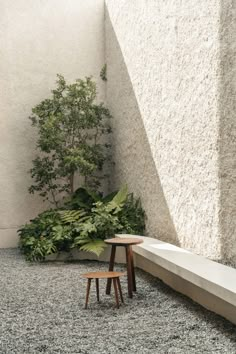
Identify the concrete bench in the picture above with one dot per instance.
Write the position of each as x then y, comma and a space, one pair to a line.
209, 283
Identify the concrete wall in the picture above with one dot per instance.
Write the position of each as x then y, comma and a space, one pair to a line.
227, 133
163, 89
134, 164
39, 38
171, 90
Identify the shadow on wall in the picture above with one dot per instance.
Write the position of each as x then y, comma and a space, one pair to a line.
227, 133
134, 164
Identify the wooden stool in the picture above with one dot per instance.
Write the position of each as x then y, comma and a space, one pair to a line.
115, 276
127, 243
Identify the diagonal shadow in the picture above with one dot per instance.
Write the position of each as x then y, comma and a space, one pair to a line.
227, 129
134, 164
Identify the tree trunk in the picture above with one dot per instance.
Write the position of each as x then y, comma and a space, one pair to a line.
72, 183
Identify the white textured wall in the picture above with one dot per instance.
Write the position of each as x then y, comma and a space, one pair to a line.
171, 89
134, 164
166, 114
38, 38
227, 133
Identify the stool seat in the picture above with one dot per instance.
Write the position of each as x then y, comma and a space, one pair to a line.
123, 241
127, 243
102, 275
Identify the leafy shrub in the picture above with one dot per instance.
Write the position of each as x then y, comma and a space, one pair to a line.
71, 142
86, 220
45, 235
132, 216
70, 126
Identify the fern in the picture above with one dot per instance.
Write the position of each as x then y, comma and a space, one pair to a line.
118, 201
83, 228
71, 216
121, 196
93, 246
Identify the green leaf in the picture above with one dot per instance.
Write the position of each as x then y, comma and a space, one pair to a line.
109, 197
121, 196
30, 241
118, 201
103, 73
93, 246
71, 216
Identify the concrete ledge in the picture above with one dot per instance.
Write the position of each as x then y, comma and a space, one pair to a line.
81, 255
209, 283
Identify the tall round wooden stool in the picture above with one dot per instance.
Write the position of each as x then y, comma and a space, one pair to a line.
112, 276
127, 243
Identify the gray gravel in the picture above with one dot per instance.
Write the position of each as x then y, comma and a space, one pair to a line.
41, 308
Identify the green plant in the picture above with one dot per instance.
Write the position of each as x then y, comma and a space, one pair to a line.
44, 235
132, 216
103, 73
82, 198
85, 227
70, 125
103, 221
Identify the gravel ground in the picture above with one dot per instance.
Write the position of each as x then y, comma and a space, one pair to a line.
42, 311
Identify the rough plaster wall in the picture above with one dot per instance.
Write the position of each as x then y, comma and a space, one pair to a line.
39, 38
131, 152
171, 52
227, 138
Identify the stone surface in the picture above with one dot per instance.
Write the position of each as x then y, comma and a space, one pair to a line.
42, 311
130, 147
174, 121
227, 134
215, 278
39, 38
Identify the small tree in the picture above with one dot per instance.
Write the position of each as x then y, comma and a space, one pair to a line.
70, 127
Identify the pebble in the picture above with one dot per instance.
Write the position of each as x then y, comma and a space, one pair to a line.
42, 311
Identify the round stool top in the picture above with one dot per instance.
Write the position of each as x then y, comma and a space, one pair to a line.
119, 241
102, 275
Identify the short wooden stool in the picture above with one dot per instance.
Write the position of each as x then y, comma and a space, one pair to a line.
127, 243
112, 276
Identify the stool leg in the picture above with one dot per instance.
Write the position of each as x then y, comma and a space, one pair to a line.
120, 291
116, 292
132, 268
129, 271
87, 293
97, 289
111, 267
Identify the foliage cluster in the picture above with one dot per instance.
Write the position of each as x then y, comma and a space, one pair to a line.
72, 145
71, 130
84, 222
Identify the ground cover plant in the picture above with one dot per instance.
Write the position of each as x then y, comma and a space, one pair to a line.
83, 223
